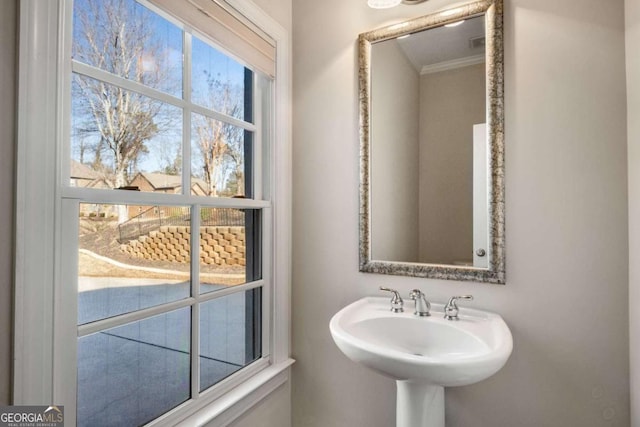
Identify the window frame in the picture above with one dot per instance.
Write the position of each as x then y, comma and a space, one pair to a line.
41, 372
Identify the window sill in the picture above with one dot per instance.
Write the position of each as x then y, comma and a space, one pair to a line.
236, 402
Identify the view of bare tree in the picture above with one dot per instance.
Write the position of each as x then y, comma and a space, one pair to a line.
113, 36
221, 145
116, 129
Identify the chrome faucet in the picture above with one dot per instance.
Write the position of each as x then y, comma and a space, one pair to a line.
422, 305
451, 309
396, 300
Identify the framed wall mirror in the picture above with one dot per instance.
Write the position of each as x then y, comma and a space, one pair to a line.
432, 146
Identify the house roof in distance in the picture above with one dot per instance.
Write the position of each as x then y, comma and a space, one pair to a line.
82, 171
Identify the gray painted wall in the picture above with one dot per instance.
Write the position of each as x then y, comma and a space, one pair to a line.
8, 41
566, 205
273, 411
632, 16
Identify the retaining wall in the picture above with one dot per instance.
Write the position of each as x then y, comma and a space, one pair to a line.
218, 245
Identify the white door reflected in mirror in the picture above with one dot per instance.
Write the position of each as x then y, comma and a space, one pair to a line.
480, 196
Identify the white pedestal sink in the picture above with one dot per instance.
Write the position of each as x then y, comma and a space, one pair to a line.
423, 354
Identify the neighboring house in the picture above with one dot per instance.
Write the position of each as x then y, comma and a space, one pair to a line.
156, 182
164, 183
82, 175
198, 187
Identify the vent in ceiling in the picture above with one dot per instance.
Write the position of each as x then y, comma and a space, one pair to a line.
477, 42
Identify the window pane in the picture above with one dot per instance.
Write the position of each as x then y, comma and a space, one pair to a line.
229, 245
121, 139
130, 265
218, 154
134, 373
220, 83
126, 39
230, 333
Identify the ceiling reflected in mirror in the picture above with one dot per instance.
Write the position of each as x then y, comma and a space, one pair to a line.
451, 45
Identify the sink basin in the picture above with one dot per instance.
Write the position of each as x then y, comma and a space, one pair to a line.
423, 354
404, 346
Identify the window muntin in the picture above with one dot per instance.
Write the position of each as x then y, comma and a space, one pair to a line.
248, 168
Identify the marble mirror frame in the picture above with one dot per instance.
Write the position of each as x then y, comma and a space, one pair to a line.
495, 273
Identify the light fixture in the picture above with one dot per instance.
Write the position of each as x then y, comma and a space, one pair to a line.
385, 4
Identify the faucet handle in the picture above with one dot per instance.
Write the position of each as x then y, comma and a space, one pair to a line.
451, 309
396, 300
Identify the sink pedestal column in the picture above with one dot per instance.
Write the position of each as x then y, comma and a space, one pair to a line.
419, 405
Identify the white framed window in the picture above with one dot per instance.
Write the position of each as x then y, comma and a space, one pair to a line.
155, 198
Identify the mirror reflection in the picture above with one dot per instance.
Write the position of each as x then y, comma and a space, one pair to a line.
428, 133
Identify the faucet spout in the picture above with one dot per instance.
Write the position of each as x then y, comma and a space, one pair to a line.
423, 307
